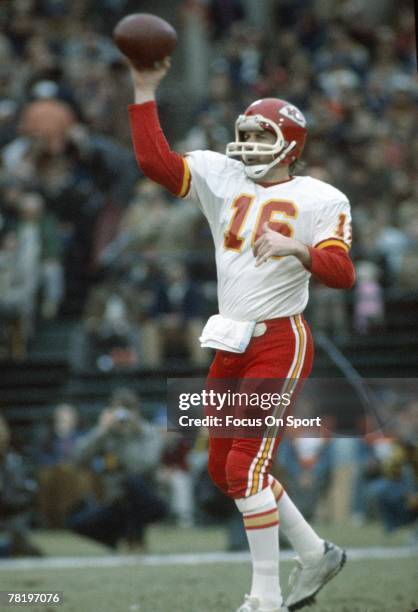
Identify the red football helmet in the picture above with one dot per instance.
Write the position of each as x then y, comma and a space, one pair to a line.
280, 118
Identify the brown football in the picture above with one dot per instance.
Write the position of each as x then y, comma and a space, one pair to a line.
145, 39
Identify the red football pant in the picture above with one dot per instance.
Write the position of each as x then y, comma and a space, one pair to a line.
240, 466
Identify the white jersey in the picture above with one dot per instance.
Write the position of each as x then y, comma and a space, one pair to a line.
236, 208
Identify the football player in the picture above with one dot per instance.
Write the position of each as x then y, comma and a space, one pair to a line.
272, 231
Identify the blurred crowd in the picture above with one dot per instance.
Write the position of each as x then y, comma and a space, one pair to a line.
112, 475
79, 224
77, 221
106, 480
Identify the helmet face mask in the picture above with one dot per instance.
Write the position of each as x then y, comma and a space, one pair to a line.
281, 119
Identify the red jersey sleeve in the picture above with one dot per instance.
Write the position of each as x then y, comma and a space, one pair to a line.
153, 153
332, 266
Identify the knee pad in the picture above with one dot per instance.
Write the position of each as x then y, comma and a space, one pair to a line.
238, 468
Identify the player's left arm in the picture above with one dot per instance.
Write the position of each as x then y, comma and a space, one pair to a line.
332, 266
329, 262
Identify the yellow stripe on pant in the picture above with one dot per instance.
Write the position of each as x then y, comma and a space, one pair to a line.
268, 441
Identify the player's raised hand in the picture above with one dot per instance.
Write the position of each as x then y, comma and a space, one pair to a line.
150, 77
146, 81
274, 244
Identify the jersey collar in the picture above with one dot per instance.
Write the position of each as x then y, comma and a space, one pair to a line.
267, 185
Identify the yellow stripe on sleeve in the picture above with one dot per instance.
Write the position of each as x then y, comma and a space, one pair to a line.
332, 242
186, 180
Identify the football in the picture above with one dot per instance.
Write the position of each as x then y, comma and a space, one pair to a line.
145, 39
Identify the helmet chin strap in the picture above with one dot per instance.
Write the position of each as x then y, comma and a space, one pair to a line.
260, 170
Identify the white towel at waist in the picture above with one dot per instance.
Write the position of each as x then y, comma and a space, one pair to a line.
226, 334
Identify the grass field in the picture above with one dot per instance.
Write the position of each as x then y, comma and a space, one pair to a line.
366, 585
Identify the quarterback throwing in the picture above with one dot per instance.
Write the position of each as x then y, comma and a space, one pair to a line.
272, 231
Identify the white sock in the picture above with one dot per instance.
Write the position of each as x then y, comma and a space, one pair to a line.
305, 541
261, 521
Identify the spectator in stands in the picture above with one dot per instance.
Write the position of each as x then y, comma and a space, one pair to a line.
142, 223
16, 299
82, 174
127, 397
151, 224
368, 300
31, 261
143, 319
108, 337
17, 497
62, 484
371, 452
180, 326
396, 490
125, 451
223, 14
61, 441
40, 252
8, 111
